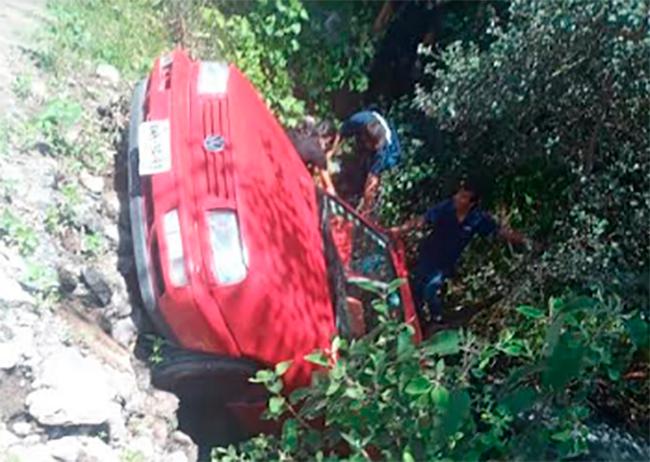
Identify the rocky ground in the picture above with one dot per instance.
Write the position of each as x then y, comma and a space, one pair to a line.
71, 388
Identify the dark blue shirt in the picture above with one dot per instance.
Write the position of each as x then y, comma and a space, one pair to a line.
441, 250
388, 156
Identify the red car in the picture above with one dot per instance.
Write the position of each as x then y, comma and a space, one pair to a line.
242, 261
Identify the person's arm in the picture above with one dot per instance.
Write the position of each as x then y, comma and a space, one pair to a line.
408, 226
369, 193
513, 236
431, 216
336, 144
327, 182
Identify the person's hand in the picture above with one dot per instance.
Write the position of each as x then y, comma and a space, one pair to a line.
394, 233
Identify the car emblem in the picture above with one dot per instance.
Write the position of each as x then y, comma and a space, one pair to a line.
214, 143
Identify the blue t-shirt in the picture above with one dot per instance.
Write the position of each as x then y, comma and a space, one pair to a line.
441, 250
388, 156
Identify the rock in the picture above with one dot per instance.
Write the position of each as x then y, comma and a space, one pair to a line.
9, 355
7, 438
111, 205
98, 286
43, 148
120, 304
144, 446
176, 456
119, 432
88, 215
29, 453
92, 183
73, 134
162, 403
71, 391
39, 90
112, 233
21, 429
182, 442
6, 333
108, 73
125, 332
81, 448
67, 280
11, 291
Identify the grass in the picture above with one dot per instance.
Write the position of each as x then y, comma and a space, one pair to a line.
22, 86
15, 233
127, 34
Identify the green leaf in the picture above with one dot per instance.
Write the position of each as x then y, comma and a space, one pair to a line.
300, 394
520, 400
440, 366
407, 456
396, 284
562, 436
332, 387
369, 285
440, 397
563, 366
580, 303
639, 331
354, 393
275, 386
513, 349
530, 311
262, 376
290, 434
276, 405
318, 358
457, 412
553, 334
613, 373
418, 386
281, 368
443, 343
405, 342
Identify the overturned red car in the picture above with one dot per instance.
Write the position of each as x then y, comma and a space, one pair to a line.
242, 261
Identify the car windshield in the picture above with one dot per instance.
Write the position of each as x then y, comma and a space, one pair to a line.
363, 253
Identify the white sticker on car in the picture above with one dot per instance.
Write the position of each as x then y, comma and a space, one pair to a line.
154, 147
213, 78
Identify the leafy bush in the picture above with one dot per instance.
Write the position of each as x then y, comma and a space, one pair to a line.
555, 111
521, 395
296, 53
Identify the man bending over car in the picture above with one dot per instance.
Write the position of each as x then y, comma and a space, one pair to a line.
378, 148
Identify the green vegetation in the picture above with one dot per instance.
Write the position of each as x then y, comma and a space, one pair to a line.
525, 394
14, 232
549, 101
22, 86
123, 33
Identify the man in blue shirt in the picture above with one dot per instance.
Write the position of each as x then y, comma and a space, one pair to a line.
455, 222
377, 144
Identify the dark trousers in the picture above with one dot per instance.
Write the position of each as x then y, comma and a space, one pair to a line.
427, 295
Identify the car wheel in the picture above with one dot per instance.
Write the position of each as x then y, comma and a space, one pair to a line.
205, 384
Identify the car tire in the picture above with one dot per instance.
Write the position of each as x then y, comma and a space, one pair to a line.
205, 384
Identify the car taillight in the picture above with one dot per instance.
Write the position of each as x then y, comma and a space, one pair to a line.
228, 255
175, 258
